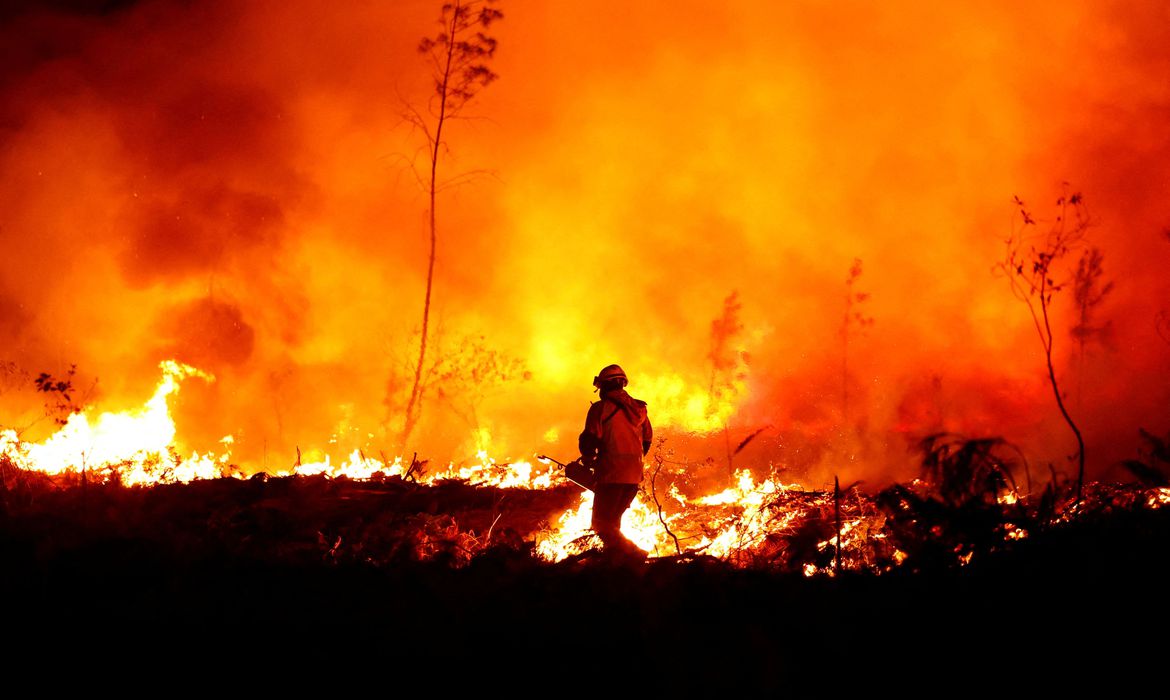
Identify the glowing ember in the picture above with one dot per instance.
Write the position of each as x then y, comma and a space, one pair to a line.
1015, 533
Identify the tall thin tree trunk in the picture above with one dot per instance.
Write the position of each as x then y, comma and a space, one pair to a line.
1056, 392
413, 404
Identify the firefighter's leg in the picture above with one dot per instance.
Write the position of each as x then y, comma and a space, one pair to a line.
610, 502
606, 516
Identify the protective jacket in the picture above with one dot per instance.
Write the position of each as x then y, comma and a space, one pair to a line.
617, 431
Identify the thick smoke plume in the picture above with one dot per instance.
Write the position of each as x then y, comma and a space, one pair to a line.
229, 184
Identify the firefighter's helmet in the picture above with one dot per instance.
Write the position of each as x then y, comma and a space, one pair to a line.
610, 373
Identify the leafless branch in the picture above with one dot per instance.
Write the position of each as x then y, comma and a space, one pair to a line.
658, 504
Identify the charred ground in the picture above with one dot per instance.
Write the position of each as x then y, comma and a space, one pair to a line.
441, 582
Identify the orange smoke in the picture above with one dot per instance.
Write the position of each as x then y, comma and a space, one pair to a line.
229, 185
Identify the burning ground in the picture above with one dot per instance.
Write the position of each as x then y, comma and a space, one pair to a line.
446, 580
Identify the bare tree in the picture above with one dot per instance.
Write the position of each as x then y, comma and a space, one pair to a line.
1031, 266
458, 55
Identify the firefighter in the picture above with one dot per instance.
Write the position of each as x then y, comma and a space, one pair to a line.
617, 435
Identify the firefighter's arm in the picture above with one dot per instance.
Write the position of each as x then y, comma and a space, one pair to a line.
647, 435
589, 442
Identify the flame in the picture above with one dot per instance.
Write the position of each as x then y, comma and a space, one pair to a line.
572, 533
737, 524
727, 524
357, 466
691, 407
136, 447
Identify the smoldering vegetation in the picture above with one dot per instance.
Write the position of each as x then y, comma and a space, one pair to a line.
420, 579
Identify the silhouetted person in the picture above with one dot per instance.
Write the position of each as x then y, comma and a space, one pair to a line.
617, 435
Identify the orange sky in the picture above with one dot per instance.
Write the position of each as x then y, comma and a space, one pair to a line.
229, 184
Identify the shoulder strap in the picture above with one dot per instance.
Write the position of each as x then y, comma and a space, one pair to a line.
616, 409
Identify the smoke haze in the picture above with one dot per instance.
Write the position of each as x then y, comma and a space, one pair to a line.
230, 185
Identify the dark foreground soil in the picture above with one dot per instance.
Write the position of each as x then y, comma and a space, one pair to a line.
229, 582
